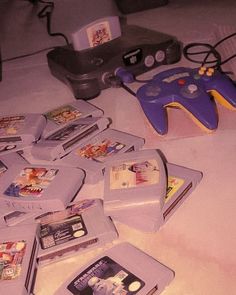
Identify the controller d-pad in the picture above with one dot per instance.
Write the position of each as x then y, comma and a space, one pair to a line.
190, 91
152, 91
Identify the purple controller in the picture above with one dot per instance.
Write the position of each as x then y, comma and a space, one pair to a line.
190, 89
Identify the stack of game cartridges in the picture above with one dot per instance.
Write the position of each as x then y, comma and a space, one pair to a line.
18, 131
18, 259
34, 188
121, 270
44, 162
142, 192
77, 135
81, 226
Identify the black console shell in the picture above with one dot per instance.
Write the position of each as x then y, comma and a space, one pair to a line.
83, 71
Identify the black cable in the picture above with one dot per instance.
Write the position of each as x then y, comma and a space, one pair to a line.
27, 54
128, 89
217, 62
46, 12
218, 43
211, 51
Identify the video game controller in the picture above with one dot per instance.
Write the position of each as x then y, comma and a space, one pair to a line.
189, 89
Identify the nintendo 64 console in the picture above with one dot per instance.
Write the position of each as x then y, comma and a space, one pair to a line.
90, 70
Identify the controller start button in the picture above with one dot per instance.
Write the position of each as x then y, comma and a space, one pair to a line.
192, 88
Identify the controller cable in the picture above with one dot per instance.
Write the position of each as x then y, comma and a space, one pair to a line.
27, 54
123, 77
46, 12
210, 50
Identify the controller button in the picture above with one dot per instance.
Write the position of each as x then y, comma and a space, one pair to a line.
202, 71
181, 82
210, 72
196, 77
160, 55
192, 88
149, 61
153, 90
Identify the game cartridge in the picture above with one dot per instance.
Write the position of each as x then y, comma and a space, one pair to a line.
92, 154
2, 217
67, 113
181, 183
9, 160
18, 254
35, 188
14, 217
135, 183
62, 141
121, 270
17, 131
80, 226
10, 216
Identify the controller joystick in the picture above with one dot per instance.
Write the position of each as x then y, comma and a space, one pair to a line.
188, 89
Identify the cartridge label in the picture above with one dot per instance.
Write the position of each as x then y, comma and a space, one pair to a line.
62, 226
11, 259
11, 125
63, 115
100, 149
174, 184
99, 33
106, 276
31, 182
134, 174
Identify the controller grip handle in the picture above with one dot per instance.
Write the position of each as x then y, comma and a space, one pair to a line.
224, 91
157, 116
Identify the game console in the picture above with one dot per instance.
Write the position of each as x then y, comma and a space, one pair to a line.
62, 141
91, 70
188, 89
67, 113
92, 154
18, 253
122, 269
20, 130
142, 209
37, 188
